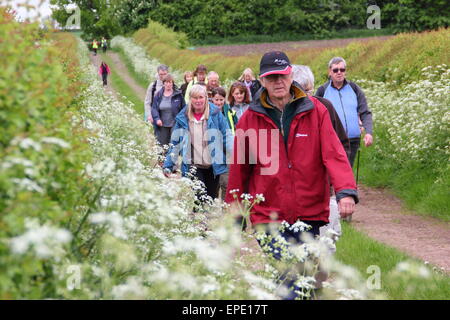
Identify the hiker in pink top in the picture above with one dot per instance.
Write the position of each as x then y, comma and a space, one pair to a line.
103, 70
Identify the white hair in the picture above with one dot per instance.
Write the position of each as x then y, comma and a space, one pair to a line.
304, 76
162, 67
337, 60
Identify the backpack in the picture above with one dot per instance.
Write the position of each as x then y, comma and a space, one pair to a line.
153, 89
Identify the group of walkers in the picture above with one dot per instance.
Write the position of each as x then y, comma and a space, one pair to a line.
271, 136
103, 69
103, 44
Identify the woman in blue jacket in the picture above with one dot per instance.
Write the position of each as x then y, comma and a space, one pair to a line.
202, 136
165, 107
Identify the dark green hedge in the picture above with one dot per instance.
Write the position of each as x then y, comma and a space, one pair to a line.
228, 18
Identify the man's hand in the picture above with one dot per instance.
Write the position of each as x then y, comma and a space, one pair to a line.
368, 140
346, 206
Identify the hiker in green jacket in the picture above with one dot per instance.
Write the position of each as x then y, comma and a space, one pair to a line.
104, 44
95, 46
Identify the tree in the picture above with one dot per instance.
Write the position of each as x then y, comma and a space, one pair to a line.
133, 15
96, 16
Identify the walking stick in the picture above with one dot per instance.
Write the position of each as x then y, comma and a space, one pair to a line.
357, 165
349, 218
361, 128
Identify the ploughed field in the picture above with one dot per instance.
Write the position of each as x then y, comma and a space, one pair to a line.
261, 48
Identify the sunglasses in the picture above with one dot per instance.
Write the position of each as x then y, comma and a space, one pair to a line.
337, 69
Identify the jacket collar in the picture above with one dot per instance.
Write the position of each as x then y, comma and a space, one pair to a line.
302, 104
343, 84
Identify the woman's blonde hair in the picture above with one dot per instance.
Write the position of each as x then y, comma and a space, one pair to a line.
198, 89
248, 70
187, 73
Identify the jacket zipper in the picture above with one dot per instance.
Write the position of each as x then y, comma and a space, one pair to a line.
343, 111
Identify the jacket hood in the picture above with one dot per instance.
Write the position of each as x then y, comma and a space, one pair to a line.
260, 104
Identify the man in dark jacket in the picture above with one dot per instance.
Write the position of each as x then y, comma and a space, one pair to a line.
350, 103
305, 154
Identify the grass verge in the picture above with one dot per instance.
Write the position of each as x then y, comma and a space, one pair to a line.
358, 250
139, 78
125, 93
423, 187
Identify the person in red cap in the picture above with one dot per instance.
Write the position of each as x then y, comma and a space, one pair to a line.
286, 149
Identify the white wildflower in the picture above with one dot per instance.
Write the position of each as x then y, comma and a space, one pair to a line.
56, 141
46, 241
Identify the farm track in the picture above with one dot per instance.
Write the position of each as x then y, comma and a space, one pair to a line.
379, 214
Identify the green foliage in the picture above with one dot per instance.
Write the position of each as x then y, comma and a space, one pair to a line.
201, 19
409, 15
42, 148
97, 17
317, 18
132, 15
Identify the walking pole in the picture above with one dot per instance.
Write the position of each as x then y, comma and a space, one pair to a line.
357, 165
349, 218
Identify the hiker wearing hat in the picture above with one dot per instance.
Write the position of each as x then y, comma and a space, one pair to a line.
286, 149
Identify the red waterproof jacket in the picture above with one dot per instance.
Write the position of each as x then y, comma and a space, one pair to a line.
294, 178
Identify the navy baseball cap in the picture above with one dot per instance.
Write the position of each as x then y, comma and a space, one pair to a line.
275, 62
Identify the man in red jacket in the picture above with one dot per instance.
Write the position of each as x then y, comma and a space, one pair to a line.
286, 149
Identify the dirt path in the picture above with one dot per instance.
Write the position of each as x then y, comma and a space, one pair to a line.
260, 48
379, 214
122, 70
383, 217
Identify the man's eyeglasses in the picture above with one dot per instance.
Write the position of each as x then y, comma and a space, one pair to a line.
337, 69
